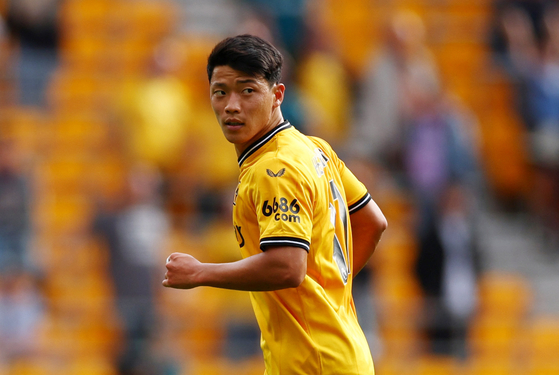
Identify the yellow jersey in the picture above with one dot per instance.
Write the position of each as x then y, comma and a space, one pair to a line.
293, 190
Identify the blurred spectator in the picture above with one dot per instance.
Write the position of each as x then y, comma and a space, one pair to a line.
134, 231
5, 64
440, 159
21, 313
543, 109
517, 38
407, 123
34, 25
154, 111
288, 22
534, 64
532, 12
325, 87
448, 267
381, 107
214, 18
14, 210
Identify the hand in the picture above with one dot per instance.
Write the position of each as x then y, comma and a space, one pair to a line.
182, 271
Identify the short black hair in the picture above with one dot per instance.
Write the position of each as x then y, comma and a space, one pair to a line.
249, 54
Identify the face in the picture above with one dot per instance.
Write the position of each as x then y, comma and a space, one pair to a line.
246, 107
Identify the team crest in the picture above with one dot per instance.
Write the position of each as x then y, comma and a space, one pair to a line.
280, 173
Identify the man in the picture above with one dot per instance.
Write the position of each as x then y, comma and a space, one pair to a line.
305, 225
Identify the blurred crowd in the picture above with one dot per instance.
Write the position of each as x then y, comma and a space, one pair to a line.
525, 43
111, 158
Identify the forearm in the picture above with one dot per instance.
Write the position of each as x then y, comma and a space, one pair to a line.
276, 268
364, 246
254, 273
367, 225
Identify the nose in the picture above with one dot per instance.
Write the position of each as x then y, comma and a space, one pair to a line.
233, 104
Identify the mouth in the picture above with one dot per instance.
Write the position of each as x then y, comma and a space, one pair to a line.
233, 124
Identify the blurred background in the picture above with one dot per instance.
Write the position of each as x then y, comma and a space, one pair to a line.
111, 158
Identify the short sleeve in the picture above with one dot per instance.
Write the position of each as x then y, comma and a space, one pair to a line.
355, 191
283, 196
357, 195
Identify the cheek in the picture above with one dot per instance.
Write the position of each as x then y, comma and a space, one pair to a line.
216, 107
264, 105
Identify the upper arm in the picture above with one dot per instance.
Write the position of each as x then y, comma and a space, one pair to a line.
287, 264
368, 218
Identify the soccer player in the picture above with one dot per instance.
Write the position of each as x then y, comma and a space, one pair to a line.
304, 224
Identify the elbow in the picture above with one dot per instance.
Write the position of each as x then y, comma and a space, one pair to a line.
298, 279
382, 224
293, 279
291, 276
370, 219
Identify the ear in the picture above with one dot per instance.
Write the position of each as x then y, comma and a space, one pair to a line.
278, 90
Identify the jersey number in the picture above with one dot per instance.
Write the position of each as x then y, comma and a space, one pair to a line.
341, 257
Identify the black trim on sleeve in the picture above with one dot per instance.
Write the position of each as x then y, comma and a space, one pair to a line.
284, 241
359, 204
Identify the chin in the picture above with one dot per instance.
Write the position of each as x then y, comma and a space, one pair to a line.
234, 138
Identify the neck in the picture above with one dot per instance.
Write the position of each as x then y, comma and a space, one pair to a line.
275, 120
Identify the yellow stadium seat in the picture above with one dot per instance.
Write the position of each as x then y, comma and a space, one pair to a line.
73, 131
351, 26
398, 305
91, 365
543, 340
504, 295
504, 150
85, 17
400, 341
548, 367
68, 215
151, 19
30, 366
61, 176
107, 175
26, 127
481, 6
464, 25
327, 110
460, 61
396, 253
193, 52
76, 90
398, 295
496, 337
392, 365
435, 365
490, 366
85, 53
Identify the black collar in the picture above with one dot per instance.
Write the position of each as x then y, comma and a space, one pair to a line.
260, 142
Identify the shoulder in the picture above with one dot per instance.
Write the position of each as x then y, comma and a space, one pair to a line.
290, 158
323, 145
290, 162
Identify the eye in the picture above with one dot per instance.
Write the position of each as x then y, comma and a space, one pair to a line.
219, 93
248, 90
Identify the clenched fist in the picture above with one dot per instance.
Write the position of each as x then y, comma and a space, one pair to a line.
183, 271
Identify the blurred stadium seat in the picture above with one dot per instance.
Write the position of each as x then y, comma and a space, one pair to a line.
73, 155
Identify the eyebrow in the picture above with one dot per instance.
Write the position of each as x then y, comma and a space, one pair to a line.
241, 81
248, 80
